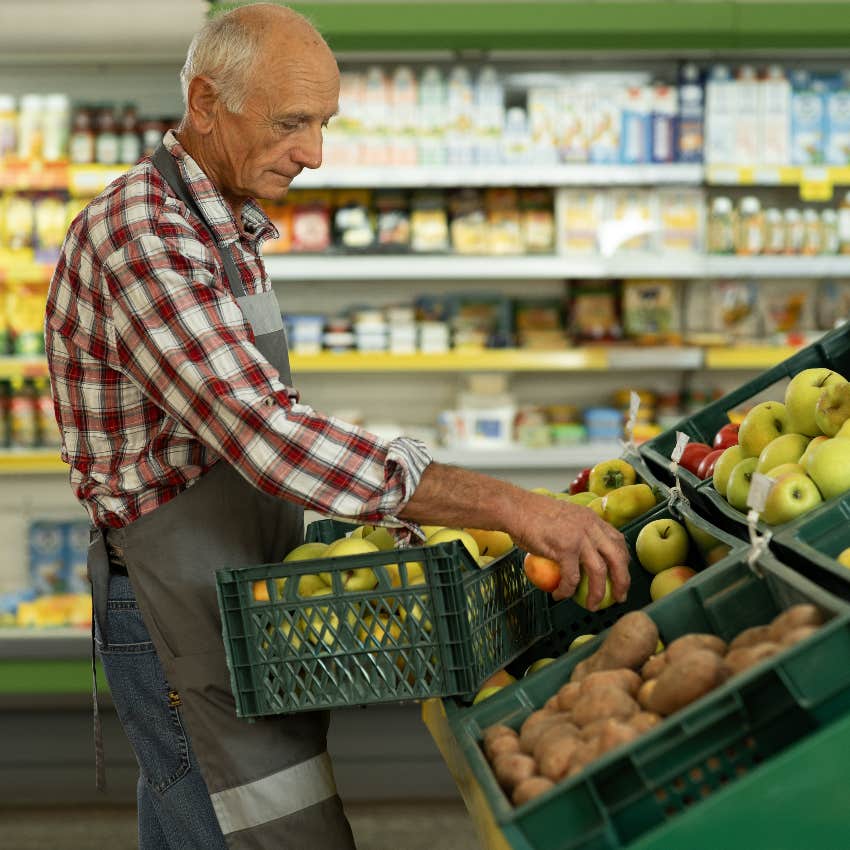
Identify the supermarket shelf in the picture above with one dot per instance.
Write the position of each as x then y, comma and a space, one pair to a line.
778, 267
776, 175
517, 457
35, 462
451, 267
500, 175
747, 357
49, 643
22, 367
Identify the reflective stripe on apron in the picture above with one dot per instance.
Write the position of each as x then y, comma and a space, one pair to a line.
270, 780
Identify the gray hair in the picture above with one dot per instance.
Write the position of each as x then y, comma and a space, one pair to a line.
225, 50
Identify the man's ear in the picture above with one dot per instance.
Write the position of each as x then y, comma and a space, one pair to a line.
203, 104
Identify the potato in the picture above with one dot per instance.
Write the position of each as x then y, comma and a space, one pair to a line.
512, 768
739, 660
551, 734
643, 721
586, 753
614, 734
535, 725
496, 731
551, 704
750, 637
602, 704
686, 680
558, 758
630, 642
567, 695
686, 644
645, 693
583, 668
622, 678
653, 667
804, 614
530, 788
500, 745
798, 634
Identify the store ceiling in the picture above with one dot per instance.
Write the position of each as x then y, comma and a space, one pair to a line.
56, 31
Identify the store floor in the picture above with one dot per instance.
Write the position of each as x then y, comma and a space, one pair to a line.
382, 826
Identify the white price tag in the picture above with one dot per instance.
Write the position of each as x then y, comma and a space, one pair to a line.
682, 440
759, 488
629, 427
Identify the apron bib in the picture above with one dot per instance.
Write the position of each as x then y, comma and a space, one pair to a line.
270, 779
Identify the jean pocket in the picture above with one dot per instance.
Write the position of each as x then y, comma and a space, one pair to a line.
143, 698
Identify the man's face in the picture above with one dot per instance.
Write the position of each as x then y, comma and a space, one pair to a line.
279, 131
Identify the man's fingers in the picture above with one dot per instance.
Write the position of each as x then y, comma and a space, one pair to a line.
593, 566
570, 575
616, 556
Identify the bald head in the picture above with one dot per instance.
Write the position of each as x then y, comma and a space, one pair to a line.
234, 50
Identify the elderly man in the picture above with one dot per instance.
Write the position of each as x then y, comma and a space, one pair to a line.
191, 450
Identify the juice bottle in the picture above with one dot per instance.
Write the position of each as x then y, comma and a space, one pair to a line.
721, 226
750, 239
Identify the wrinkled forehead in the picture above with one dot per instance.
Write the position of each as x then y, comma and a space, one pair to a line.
305, 80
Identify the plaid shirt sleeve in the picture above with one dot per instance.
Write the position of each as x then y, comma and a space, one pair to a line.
178, 334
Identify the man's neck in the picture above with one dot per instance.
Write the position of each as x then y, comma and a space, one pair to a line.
194, 145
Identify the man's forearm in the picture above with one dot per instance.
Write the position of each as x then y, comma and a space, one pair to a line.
455, 497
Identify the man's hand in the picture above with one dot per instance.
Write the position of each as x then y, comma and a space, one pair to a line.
577, 539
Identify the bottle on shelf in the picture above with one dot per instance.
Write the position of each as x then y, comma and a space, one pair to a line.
721, 226
774, 231
152, 130
82, 138
812, 233
106, 146
23, 423
56, 117
844, 225
8, 126
130, 142
691, 130
750, 239
794, 231
30, 127
829, 223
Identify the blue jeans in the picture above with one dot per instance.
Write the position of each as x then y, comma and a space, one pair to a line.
174, 807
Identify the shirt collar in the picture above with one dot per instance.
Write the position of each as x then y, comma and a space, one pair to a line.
212, 204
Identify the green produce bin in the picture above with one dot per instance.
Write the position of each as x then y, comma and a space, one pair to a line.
727, 737
443, 636
831, 351
813, 541
569, 619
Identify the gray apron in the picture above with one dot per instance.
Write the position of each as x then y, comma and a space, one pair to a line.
270, 780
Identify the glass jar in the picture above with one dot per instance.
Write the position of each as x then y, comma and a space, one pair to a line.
794, 231
721, 226
829, 224
750, 239
812, 233
56, 118
107, 143
774, 232
81, 142
844, 225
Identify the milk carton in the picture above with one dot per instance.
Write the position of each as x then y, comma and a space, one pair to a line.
665, 106
401, 120
808, 119
46, 556
775, 117
489, 116
747, 90
635, 138
76, 542
838, 122
542, 124
605, 123
720, 115
432, 117
691, 127
573, 122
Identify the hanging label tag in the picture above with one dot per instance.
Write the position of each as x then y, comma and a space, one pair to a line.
682, 440
629, 427
759, 488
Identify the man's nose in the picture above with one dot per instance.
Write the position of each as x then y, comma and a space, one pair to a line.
309, 152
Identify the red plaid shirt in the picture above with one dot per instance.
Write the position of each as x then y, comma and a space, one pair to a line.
155, 376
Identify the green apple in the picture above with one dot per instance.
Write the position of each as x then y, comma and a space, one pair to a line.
493, 543
538, 665
843, 557
791, 495
705, 542
739, 483
485, 560
362, 531
485, 693
829, 467
765, 422
579, 641
428, 530
580, 596
362, 578
833, 408
844, 430
801, 398
669, 580
319, 623
816, 441
307, 551
446, 535
784, 469
661, 544
724, 466
788, 448
382, 538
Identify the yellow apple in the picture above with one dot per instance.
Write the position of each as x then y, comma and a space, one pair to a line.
669, 580
382, 538
486, 693
378, 631
580, 596
765, 422
362, 531
627, 503
446, 535
362, 578
829, 467
788, 448
579, 641
307, 552
843, 557
833, 408
485, 560
784, 469
801, 398
499, 679
730, 458
538, 665
494, 543
844, 430
428, 530
815, 442
416, 611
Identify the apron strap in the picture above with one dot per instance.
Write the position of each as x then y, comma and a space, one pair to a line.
164, 163
98, 571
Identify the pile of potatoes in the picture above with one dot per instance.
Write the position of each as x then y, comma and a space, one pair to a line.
624, 689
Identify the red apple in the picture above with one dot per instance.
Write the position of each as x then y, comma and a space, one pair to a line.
579, 483
542, 572
693, 455
706, 465
726, 436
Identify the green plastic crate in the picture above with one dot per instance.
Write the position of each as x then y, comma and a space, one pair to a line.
290, 654
702, 749
831, 351
569, 619
813, 541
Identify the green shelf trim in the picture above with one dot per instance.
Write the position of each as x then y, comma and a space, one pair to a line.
30, 676
539, 25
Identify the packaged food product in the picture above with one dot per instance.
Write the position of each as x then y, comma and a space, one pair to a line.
469, 228
736, 308
829, 225
594, 311
691, 117
130, 140
750, 239
721, 226
605, 123
81, 141
573, 122
603, 423
774, 231
503, 221
433, 117
537, 221
8, 126
785, 308
392, 220
631, 222
107, 142
539, 323
281, 216
55, 120
311, 222
516, 137
50, 228
680, 214
401, 118
580, 213
812, 232
18, 223
489, 115
832, 304
794, 231
353, 222
49, 435
23, 417
46, 556
479, 320
650, 310
542, 104
429, 222
30, 131
374, 146
844, 224
25, 311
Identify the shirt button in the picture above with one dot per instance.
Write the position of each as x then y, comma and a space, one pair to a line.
269, 401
